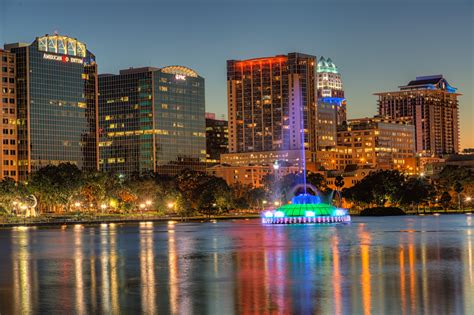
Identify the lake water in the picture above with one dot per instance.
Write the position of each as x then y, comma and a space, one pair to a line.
392, 265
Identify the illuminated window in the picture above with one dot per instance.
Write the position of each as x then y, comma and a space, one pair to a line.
164, 88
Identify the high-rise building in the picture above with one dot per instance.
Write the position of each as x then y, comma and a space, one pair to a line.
329, 81
431, 105
272, 105
8, 135
56, 103
331, 111
377, 142
152, 120
331, 114
217, 138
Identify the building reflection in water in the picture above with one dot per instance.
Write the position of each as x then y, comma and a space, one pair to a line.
147, 268
78, 267
22, 271
240, 268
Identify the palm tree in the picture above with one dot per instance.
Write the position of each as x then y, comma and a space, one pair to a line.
458, 189
339, 183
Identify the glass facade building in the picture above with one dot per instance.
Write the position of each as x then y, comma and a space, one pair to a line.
152, 120
57, 91
217, 138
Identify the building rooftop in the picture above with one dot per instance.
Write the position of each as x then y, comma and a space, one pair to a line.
327, 65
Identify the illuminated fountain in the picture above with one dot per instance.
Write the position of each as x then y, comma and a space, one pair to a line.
305, 208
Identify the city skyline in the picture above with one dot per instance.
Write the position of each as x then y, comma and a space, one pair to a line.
376, 53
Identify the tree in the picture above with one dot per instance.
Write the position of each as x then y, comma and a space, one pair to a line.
255, 197
445, 200
415, 191
378, 187
458, 188
12, 194
339, 183
56, 186
317, 180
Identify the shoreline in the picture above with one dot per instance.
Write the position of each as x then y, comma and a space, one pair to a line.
98, 221
107, 220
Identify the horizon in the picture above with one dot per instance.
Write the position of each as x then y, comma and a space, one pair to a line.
379, 52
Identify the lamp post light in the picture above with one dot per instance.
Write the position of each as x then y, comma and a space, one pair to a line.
103, 207
148, 204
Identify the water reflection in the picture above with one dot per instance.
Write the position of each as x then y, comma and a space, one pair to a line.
22, 271
147, 268
405, 266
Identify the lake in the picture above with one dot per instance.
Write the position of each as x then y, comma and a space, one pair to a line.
385, 265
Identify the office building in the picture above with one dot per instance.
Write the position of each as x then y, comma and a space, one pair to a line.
217, 138
272, 105
378, 142
252, 176
56, 103
431, 105
152, 120
8, 136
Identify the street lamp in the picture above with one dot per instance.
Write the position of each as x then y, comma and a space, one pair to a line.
276, 166
103, 207
276, 203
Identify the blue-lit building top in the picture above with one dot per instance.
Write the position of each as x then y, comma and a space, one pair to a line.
433, 82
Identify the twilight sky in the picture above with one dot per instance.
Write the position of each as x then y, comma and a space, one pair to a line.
377, 44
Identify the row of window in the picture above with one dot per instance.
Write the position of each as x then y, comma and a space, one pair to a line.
7, 173
6, 59
8, 69
8, 80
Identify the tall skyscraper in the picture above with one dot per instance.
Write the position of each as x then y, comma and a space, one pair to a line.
430, 104
331, 111
217, 138
8, 135
56, 103
152, 120
272, 106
